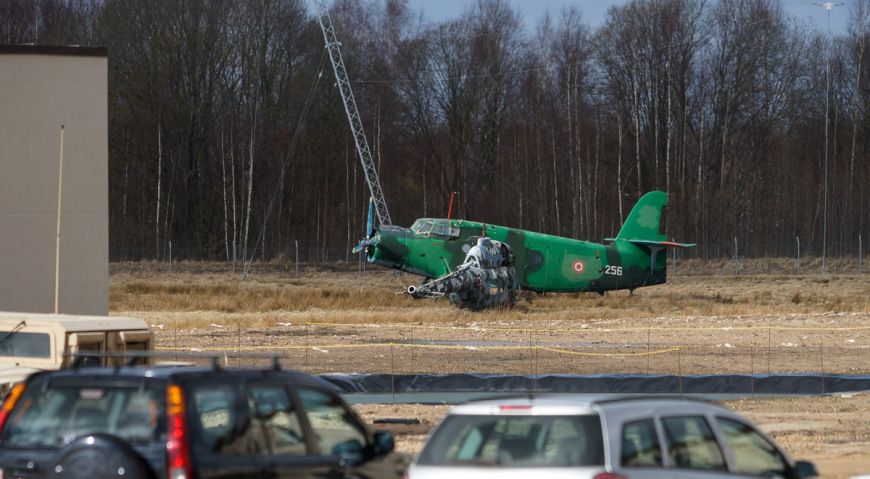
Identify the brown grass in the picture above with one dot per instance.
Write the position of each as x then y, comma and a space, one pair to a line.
332, 294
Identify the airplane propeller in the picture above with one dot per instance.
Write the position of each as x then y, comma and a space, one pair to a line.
369, 241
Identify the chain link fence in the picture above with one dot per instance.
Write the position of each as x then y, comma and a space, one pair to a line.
735, 257
653, 350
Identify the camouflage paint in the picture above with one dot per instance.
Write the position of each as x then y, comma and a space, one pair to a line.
544, 263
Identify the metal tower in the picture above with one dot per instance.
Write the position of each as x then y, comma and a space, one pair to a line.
356, 127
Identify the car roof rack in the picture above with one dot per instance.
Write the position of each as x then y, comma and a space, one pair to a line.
85, 359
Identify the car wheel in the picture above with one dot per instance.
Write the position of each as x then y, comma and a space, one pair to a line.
97, 456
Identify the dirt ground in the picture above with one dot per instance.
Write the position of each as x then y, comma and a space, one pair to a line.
695, 325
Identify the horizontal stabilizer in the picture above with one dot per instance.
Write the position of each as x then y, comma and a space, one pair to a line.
654, 247
661, 243
653, 243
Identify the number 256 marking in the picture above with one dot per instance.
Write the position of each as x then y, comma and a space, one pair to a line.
613, 270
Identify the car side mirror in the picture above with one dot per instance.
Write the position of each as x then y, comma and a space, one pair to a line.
803, 469
384, 443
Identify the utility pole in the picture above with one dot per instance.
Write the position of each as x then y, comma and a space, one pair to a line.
827, 6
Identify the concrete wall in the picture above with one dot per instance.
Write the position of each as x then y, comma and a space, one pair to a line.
42, 88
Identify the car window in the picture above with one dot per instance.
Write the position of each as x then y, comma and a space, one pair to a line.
55, 415
27, 345
335, 429
214, 417
273, 417
640, 445
753, 454
691, 444
516, 441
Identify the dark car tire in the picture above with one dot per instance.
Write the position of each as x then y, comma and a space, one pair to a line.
99, 456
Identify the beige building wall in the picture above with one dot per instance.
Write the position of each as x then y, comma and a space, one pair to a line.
42, 88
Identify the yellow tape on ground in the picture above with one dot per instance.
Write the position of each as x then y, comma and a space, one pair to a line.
327, 347
648, 353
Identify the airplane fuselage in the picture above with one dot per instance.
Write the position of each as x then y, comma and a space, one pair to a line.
434, 247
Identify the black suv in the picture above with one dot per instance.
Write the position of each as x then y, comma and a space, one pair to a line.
186, 422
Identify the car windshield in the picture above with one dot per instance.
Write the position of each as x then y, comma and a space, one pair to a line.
54, 415
515, 441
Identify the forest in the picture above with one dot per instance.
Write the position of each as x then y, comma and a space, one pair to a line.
228, 136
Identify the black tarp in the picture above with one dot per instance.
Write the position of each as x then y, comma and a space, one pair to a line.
724, 384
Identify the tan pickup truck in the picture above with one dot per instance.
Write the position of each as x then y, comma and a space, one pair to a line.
31, 342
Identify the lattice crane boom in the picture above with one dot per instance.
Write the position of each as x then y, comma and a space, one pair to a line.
356, 127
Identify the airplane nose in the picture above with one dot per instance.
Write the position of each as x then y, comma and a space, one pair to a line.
390, 243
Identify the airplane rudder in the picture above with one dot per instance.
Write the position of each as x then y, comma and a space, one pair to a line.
644, 221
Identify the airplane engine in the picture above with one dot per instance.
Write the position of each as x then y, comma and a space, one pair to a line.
486, 279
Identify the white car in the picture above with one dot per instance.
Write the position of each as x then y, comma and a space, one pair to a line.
601, 438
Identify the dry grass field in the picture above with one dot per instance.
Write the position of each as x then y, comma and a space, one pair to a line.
700, 322
700, 288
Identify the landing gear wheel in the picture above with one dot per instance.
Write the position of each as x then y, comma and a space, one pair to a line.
99, 456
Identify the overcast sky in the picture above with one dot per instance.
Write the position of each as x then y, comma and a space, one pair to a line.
595, 10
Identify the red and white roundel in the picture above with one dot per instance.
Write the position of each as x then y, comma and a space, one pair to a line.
579, 266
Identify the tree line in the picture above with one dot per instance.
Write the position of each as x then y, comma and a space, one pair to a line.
226, 127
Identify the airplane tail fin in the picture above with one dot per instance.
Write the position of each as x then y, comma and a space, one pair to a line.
644, 224
644, 221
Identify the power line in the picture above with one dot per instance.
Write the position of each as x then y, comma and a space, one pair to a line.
284, 164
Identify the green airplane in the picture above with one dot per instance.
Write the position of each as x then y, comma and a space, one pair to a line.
438, 249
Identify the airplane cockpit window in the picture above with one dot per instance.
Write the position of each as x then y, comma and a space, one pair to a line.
445, 231
422, 227
437, 229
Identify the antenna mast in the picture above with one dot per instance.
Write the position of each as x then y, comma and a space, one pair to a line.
362, 145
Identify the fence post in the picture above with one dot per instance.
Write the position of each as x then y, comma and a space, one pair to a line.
531, 355
170, 257
297, 257
679, 367
752, 370
860, 257
736, 258
675, 257
798, 238
822, 364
